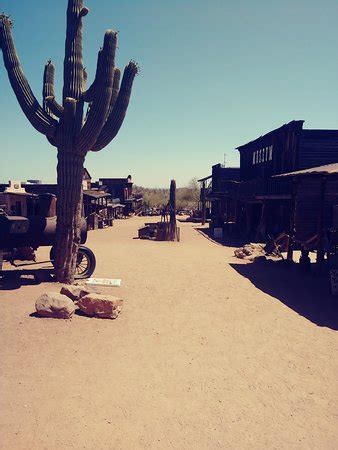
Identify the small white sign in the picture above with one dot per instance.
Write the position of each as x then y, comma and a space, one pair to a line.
334, 281
104, 282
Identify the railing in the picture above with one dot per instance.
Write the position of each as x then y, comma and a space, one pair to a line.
265, 187
253, 188
225, 186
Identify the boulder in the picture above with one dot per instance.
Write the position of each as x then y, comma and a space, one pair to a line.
75, 292
239, 253
53, 304
100, 305
249, 251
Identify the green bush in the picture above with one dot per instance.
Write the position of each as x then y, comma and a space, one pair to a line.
186, 197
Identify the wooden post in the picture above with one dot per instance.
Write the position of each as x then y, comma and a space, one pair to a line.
304, 260
292, 219
248, 210
320, 247
203, 203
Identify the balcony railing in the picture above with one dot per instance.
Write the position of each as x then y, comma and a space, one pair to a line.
266, 187
253, 188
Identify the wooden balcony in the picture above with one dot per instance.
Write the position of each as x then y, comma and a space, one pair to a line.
270, 188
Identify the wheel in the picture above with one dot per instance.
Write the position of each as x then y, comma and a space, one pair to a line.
85, 264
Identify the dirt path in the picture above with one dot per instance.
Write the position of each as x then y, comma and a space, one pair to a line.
201, 358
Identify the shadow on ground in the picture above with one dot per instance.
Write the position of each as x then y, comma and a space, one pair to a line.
306, 293
15, 279
225, 241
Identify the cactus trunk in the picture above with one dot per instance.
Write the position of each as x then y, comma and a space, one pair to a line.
69, 213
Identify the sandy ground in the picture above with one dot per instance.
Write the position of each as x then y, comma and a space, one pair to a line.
210, 352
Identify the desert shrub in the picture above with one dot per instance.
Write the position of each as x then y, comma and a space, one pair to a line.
186, 197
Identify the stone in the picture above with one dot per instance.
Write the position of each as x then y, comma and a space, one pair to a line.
75, 292
100, 305
239, 253
249, 251
53, 304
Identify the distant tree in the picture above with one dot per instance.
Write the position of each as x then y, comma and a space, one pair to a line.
195, 189
187, 197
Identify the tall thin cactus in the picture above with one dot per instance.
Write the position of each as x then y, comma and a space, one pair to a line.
67, 125
172, 208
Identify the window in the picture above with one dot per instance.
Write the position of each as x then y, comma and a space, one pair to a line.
254, 158
270, 152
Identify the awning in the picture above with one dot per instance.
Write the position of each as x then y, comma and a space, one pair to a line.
328, 169
95, 194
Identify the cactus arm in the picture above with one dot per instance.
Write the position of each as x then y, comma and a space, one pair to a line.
88, 95
50, 105
64, 137
99, 107
116, 117
116, 87
70, 110
54, 107
48, 85
85, 78
39, 119
73, 63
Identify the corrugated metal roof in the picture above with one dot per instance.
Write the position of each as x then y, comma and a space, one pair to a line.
205, 178
95, 194
328, 169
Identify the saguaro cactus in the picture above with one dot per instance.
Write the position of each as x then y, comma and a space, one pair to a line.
172, 206
66, 125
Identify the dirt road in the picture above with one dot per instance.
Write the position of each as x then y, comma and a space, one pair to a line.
209, 353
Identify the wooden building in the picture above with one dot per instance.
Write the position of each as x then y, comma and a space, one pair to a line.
86, 180
254, 201
204, 204
264, 202
97, 210
217, 200
314, 209
122, 189
14, 200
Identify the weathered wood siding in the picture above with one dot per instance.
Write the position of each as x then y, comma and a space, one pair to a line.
308, 206
317, 148
284, 143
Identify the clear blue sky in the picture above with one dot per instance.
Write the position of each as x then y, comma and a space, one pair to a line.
214, 74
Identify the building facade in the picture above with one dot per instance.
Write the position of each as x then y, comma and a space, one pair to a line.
258, 203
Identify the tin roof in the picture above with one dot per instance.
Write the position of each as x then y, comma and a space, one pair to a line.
328, 169
95, 194
205, 178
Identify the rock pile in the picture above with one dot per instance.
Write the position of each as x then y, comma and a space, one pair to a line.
250, 252
62, 305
